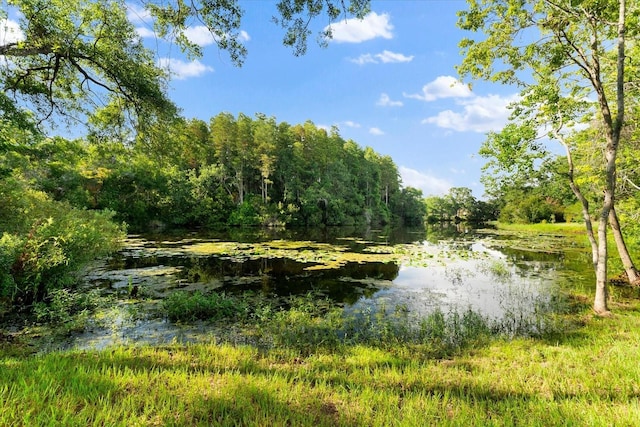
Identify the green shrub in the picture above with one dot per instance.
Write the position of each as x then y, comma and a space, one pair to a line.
9, 251
183, 306
46, 242
530, 210
246, 214
63, 305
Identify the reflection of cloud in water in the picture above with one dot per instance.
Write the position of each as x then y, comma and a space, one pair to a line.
450, 275
456, 286
492, 286
481, 248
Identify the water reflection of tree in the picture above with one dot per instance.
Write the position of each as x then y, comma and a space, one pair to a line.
283, 276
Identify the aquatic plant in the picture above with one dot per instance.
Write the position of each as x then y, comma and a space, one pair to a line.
184, 306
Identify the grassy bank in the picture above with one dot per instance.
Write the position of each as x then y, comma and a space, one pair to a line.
588, 377
587, 374
557, 227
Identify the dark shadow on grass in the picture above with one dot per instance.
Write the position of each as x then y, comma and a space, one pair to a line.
240, 403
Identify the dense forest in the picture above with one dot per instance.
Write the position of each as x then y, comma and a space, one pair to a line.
64, 198
229, 172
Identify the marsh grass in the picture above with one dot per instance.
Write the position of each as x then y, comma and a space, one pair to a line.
183, 306
438, 333
64, 305
553, 228
311, 323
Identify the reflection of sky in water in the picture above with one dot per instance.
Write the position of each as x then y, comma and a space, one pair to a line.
465, 275
490, 284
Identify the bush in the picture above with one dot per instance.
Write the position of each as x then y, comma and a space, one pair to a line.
10, 246
530, 210
246, 214
63, 306
182, 306
46, 242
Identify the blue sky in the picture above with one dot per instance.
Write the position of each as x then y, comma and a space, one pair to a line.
388, 82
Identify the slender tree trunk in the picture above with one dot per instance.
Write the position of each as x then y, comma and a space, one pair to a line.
614, 128
625, 257
583, 201
600, 302
240, 186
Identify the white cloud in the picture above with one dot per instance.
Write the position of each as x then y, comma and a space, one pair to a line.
351, 124
145, 32
442, 87
356, 31
385, 57
10, 32
479, 114
429, 184
142, 19
201, 35
385, 101
138, 15
182, 70
244, 36
388, 56
365, 58
376, 131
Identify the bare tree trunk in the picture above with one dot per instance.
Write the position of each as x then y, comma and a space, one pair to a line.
625, 257
240, 186
583, 201
614, 128
600, 302
263, 188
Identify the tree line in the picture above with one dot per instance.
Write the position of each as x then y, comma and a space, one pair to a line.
459, 205
232, 171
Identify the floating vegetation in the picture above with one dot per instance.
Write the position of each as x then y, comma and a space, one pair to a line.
155, 279
479, 272
525, 240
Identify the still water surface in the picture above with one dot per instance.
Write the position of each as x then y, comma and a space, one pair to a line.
496, 274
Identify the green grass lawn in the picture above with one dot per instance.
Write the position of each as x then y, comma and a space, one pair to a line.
562, 227
588, 375
591, 376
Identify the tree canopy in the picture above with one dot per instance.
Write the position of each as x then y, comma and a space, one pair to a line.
234, 170
71, 58
563, 54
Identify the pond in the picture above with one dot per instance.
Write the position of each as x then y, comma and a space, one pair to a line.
496, 274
